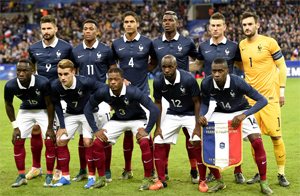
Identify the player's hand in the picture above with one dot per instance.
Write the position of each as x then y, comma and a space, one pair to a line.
16, 135
101, 136
237, 120
60, 132
50, 133
127, 83
197, 131
141, 133
157, 132
203, 121
281, 101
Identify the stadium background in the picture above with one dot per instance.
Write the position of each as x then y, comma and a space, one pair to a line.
19, 27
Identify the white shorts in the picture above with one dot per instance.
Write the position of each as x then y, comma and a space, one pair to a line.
26, 119
56, 120
72, 122
165, 105
171, 126
101, 117
250, 125
115, 128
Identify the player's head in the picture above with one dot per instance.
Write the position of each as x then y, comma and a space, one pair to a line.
24, 71
250, 23
65, 70
48, 27
219, 71
90, 30
131, 22
170, 22
169, 66
217, 25
115, 79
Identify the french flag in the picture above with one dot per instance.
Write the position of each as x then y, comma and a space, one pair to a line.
221, 145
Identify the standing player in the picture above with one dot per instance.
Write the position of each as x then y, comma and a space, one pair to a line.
260, 56
75, 91
36, 108
218, 46
182, 92
229, 92
133, 51
128, 114
171, 42
46, 53
93, 59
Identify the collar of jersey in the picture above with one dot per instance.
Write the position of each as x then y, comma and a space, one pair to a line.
123, 91
32, 82
177, 79
95, 45
137, 37
227, 83
51, 45
176, 37
73, 86
224, 40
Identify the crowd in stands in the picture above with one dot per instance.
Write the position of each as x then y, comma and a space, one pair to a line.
279, 20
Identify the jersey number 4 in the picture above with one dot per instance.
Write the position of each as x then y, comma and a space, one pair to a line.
130, 63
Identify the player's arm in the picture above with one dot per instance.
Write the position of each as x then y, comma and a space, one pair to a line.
10, 111
204, 105
282, 78
50, 111
197, 100
152, 64
158, 130
196, 66
239, 64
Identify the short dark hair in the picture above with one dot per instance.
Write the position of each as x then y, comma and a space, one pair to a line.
173, 14
217, 16
131, 13
91, 21
248, 15
116, 70
65, 63
221, 60
48, 19
26, 61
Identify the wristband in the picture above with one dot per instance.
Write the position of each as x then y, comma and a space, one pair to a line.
281, 92
14, 124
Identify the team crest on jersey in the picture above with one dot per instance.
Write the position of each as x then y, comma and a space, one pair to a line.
58, 54
227, 52
126, 101
80, 93
179, 49
183, 92
141, 48
98, 56
38, 93
232, 94
259, 47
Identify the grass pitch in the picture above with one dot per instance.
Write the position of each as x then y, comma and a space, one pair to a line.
179, 167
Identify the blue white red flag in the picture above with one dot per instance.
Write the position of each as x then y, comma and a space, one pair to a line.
221, 145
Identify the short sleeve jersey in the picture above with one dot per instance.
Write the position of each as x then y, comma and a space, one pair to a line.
32, 97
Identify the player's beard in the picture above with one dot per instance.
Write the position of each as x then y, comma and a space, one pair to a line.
252, 33
49, 38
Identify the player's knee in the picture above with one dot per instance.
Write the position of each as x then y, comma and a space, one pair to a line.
278, 141
62, 142
144, 144
36, 129
87, 142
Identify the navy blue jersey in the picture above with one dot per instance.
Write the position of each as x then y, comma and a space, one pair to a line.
232, 97
93, 62
76, 96
181, 47
48, 57
133, 59
226, 49
127, 105
32, 97
180, 94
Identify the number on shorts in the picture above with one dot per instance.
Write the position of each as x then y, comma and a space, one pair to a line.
278, 121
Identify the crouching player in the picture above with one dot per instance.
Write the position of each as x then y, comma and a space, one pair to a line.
36, 108
75, 91
182, 92
125, 100
229, 92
